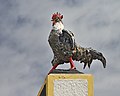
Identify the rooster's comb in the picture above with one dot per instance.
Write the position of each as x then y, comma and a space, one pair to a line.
57, 15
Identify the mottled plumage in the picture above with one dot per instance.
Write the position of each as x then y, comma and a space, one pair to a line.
62, 45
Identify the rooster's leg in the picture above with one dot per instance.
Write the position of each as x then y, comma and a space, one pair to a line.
72, 64
53, 68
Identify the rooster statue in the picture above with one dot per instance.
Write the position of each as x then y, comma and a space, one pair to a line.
66, 50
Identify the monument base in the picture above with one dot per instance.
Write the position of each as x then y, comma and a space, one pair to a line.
67, 83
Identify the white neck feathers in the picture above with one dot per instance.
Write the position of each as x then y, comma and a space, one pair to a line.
58, 26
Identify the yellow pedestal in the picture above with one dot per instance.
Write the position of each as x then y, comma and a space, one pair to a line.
67, 85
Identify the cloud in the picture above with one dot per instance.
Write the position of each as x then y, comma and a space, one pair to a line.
25, 55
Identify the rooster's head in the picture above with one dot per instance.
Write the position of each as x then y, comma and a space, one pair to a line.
57, 17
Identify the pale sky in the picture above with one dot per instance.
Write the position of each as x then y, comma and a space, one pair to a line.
25, 55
